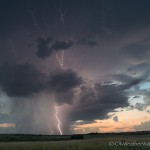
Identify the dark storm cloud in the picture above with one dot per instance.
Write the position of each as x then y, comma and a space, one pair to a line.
87, 42
61, 45
130, 81
63, 83
86, 15
43, 47
46, 47
96, 103
19, 80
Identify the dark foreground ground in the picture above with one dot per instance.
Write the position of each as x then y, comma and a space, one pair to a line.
112, 141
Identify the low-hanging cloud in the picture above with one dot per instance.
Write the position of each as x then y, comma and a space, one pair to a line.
43, 47
46, 46
61, 45
18, 80
63, 83
97, 102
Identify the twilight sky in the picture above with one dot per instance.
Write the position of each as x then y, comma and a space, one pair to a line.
83, 63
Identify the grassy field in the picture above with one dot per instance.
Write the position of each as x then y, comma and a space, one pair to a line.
90, 142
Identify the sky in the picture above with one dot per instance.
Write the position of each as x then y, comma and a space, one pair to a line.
72, 66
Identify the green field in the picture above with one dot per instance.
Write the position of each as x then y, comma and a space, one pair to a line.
90, 142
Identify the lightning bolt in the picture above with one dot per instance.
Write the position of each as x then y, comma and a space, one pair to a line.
61, 11
60, 59
56, 116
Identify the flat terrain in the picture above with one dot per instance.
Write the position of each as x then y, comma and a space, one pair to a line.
90, 142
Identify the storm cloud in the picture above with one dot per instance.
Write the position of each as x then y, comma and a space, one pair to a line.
47, 46
21, 80
63, 83
97, 102
61, 45
105, 50
43, 47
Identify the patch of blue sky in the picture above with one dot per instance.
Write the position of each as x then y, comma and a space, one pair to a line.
144, 85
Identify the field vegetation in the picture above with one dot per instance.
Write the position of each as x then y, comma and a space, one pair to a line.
90, 142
